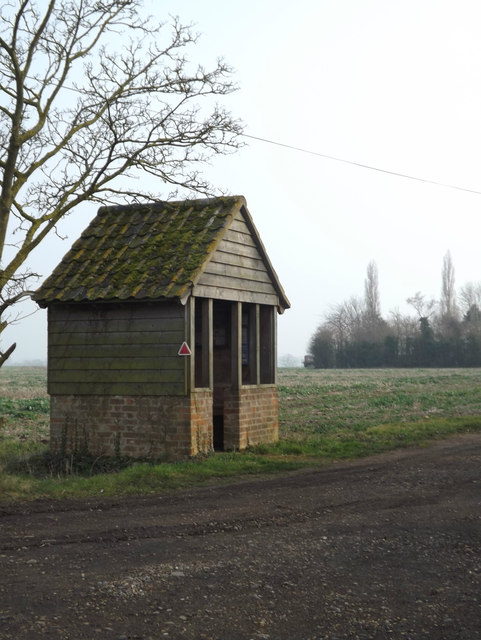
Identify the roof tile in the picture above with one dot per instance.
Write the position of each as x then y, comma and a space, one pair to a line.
144, 251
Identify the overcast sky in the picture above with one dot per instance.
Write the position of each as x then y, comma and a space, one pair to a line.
393, 84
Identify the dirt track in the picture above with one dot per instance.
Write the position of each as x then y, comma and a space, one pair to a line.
386, 547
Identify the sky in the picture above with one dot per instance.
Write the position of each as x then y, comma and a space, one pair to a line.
389, 84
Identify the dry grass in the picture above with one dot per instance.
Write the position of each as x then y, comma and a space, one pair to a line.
23, 382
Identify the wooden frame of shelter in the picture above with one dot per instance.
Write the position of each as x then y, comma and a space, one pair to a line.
143, 284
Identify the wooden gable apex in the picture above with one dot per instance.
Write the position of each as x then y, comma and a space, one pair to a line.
163, 250
238, 267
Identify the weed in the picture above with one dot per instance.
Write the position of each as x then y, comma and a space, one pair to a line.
45, 464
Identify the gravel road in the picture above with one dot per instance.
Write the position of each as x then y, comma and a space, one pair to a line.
385, 547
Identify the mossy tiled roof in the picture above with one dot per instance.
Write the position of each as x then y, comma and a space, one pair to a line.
141, 252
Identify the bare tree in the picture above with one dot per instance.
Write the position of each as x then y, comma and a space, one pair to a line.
91, 95
371, 293
374, 325
424, 308
448, 306
345, 320
470, 296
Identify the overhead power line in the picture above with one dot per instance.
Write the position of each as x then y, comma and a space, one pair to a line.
363, 166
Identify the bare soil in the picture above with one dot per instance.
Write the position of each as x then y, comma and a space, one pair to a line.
385, 547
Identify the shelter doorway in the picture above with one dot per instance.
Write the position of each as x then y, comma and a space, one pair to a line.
213, 357
234, 350
222, 366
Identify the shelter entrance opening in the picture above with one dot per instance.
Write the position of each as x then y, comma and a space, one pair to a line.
234, 350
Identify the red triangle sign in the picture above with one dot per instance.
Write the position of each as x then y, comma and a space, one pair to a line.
184, 350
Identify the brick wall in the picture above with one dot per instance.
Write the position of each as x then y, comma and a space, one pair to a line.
250, 416
169, 427
162, 427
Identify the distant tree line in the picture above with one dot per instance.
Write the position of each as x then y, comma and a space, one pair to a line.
442, 333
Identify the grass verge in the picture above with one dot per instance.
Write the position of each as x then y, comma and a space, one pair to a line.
345, 444
135, 478
25, 482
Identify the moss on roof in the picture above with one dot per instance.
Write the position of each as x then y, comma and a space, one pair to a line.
142, 251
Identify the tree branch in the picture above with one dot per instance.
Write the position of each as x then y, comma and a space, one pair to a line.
136, 107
